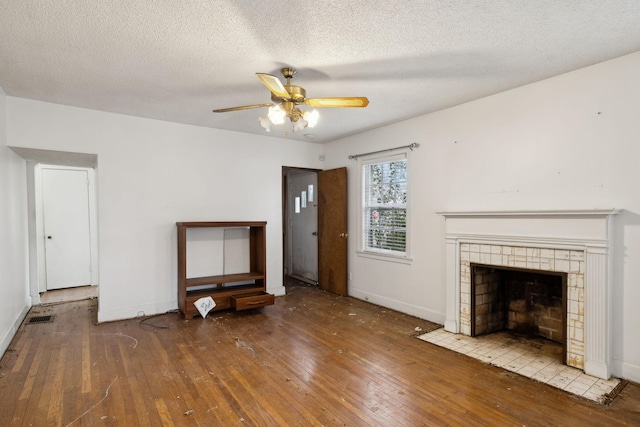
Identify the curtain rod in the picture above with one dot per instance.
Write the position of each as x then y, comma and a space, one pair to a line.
410, 147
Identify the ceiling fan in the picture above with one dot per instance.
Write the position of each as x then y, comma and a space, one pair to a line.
286, 99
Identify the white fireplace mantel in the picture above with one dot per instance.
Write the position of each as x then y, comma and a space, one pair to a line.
585, 233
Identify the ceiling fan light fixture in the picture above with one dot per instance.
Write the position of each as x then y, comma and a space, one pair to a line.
265, 123
311, 117
276, 115
299, 125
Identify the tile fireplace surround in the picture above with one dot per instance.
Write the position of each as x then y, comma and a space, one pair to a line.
576, 242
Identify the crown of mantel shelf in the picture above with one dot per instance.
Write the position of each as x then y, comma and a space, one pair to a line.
532, 213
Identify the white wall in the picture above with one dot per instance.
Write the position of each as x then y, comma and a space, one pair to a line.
569, 142
151, 174
14, 287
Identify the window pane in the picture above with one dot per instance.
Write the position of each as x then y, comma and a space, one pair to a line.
386, 229
384, 206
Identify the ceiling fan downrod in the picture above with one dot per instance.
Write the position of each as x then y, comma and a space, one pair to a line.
288, 74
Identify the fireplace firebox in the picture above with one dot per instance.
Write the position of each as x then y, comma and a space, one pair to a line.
526, 302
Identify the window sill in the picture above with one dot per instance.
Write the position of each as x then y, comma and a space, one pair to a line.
383, 257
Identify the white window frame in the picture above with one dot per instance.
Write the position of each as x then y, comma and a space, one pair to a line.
374, 253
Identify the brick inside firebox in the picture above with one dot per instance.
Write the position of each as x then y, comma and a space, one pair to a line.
523, 301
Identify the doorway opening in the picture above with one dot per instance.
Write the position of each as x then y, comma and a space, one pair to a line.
300, 224
85, 164
66, 232
315, 227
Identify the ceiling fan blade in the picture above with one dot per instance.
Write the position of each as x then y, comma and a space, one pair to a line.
354, 102
274, 85
244, 107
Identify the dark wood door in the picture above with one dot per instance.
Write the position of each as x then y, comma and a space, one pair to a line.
332, 230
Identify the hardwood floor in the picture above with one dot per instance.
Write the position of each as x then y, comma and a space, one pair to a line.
69, 294
313, 358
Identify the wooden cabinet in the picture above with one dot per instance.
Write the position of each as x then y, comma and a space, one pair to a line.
239, 291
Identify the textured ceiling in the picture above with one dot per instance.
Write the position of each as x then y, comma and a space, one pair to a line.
176, 60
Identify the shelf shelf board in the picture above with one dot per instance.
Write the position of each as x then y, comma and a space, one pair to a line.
223, 278
240, 289
223, 224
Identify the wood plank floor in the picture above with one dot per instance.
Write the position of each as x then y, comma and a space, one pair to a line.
69, 294
312, 359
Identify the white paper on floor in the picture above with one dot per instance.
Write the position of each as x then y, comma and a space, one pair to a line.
204, 305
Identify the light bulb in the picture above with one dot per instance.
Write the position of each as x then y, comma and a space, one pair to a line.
311, 117
276, 115
299, 125
266, 123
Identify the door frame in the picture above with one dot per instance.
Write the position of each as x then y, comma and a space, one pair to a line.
39, 223
285, 230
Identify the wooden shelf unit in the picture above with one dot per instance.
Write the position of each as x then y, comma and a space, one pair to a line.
227, 290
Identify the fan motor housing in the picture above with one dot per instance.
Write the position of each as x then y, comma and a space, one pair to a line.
297, 93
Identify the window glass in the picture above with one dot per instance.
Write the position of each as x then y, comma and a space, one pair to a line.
384, 206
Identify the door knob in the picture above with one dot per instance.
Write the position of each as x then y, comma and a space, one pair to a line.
315, 233
49, 237
343, 235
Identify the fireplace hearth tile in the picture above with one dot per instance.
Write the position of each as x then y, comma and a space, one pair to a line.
526, 358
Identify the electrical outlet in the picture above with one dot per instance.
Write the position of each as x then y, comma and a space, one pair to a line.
350, 276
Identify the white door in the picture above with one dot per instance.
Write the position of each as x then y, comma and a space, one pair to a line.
65, 198
304, 225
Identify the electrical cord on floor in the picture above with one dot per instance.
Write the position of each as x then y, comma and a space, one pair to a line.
144, 321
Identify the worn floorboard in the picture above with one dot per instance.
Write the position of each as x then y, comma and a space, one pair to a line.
313, 358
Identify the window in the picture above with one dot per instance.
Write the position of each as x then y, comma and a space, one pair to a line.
384, 229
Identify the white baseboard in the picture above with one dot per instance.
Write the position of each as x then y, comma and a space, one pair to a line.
131, 312
627, 371
277, 291
8, 334
413, 310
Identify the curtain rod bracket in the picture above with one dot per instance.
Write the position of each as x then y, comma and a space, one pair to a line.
410, 147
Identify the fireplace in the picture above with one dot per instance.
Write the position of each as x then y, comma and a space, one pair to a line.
572, 246
529, 303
